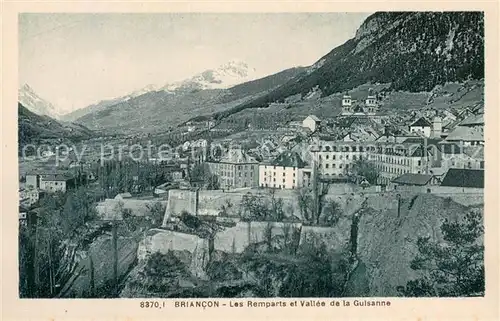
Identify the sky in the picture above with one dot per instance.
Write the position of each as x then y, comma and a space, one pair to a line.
75, 60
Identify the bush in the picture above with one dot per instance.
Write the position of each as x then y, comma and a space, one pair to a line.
190, 221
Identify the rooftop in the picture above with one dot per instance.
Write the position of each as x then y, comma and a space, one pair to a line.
460, 177
421, 122
55, 177
237, 156
464, 133
313, 117
473, 120
289, 159
413, 179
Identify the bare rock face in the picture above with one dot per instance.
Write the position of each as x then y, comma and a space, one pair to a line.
190, 249
386, 241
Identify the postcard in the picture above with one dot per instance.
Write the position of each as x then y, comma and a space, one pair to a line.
250, 160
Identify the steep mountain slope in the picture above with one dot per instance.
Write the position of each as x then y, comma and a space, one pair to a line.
158, 110
106, 103
33, 128
30, 99
227, 75
413, 51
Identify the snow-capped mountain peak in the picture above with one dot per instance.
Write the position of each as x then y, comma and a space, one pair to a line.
226, 75
34, 103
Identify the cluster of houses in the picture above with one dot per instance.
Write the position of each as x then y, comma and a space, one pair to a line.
430, 150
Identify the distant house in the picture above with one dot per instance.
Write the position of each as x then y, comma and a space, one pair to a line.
460, 177
287, 171
236, 169
422, 126
55, 182
312, 122
23, 216
177, 175
29, 196
122, 196
32, 180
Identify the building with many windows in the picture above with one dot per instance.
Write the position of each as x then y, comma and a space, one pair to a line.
236, 169
54, 182
335, 158
287, 171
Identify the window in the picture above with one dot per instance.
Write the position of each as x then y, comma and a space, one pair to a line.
265, 179
333, 166
333, 157
346, 156
326, 165
283, 180
274, 179
274, 167
419, 163
274, 173
327, 156
283, 174
294, 181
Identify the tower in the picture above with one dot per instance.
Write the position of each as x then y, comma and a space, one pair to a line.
346, 104
371, 104
437, 127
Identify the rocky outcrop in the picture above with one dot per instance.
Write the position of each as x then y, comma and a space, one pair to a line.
386, 240
94, 273
162, 241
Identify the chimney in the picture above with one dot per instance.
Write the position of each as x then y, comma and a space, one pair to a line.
437, 127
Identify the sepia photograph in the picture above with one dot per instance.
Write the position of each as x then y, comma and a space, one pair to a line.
251, 155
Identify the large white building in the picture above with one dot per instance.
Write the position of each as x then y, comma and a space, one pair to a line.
335, 158
287, 171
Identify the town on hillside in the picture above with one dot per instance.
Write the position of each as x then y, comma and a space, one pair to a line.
314, 193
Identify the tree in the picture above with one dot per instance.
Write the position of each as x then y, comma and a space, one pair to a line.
362, 168
331, 213
157, 212
305, 201
253, 208
201, 172
212, 182
452, 268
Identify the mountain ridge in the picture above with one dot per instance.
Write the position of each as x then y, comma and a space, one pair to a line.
413, 51
33, 102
